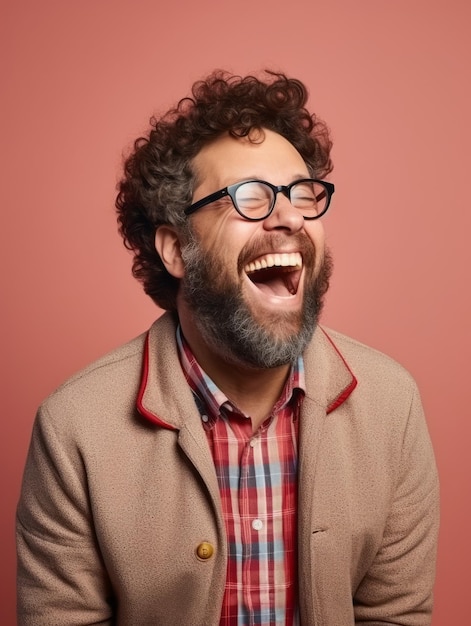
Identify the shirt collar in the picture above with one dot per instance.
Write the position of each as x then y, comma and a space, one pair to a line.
211, 400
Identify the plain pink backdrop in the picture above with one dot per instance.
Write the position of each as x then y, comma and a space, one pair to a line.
80, 78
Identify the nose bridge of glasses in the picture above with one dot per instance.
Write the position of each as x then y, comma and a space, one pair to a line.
283, 213
285, 190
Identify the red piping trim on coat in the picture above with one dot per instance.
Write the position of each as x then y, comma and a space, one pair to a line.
154, 419
340, 399
142, 388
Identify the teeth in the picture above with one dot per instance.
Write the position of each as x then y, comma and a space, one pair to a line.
284, 259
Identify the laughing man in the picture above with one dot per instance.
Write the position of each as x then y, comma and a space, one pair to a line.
238, 464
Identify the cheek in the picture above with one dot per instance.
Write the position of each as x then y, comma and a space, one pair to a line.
224, 236
210, 233
315, 232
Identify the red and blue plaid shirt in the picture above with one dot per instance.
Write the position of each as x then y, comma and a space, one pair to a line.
257, 475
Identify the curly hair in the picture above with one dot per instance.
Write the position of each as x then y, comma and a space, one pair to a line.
158, 179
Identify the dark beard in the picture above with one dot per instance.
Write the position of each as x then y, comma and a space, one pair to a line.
227, 324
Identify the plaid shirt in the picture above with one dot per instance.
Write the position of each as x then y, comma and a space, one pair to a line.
257, 475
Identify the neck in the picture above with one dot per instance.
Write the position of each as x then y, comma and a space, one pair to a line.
253, 391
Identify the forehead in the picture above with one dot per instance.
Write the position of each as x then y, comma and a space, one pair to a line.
265, 154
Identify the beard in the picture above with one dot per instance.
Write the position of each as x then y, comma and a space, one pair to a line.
227, 323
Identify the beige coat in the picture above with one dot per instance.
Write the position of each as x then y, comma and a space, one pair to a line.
117, 500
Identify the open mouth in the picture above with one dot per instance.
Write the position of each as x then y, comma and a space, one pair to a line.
276, 273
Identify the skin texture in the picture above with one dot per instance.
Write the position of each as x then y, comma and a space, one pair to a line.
234, 242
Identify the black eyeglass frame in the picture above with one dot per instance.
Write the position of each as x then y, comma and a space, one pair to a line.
284, 189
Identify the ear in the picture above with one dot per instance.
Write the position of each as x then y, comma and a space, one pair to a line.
167, 244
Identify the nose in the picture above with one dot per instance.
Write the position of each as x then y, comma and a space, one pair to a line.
284, 216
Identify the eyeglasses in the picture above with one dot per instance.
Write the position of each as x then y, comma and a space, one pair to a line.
255, 199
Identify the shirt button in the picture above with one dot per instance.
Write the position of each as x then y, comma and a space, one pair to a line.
205, 418
205, 550
253, 443
257, 524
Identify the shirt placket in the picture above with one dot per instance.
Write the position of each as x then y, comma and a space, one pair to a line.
254, 528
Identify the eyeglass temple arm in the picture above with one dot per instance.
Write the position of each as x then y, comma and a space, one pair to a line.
204, 201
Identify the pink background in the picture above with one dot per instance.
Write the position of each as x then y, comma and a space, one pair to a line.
392, 79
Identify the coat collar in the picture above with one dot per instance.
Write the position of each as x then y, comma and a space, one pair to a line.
165, 399
326, 365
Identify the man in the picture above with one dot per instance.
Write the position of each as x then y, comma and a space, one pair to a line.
237, 464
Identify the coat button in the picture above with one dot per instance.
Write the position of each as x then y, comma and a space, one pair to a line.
205, 550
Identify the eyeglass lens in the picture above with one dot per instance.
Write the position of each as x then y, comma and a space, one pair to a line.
255, 199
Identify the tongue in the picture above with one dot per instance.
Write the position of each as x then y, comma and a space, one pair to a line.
273, 287
278, 285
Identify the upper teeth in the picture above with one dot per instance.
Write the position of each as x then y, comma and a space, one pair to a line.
285, 259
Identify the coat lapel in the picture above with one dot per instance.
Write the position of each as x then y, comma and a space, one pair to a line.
329, 383
165, 399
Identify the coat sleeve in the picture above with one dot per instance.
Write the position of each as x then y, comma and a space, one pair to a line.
61, 578
397, 589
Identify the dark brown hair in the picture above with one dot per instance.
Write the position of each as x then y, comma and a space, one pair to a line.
158, 179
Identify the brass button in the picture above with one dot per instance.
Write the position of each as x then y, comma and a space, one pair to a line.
205, 550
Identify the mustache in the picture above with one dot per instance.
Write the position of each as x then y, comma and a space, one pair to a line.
274, 242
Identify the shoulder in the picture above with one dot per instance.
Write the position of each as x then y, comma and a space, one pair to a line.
100, 395
365, 361
113, 369
117, 371
381, 384
108, 387
384, 406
